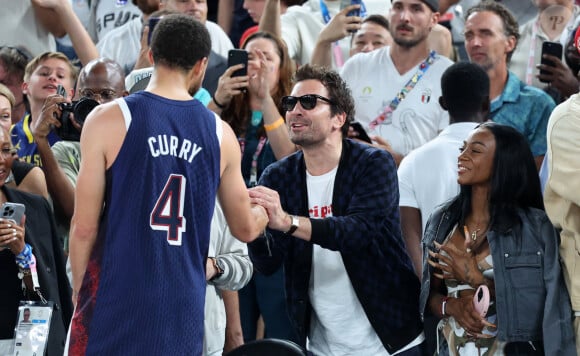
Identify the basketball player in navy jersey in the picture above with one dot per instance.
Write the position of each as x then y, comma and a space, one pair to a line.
152, 165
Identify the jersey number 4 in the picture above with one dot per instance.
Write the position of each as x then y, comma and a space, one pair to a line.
167, 215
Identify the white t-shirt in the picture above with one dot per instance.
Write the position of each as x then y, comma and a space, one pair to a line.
21, 28
109, 14
122, 44
428, 175
338, 325
374, 82
220, 42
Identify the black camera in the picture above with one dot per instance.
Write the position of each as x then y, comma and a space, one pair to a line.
80, 109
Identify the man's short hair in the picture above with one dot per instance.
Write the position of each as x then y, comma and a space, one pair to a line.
179, 42
378, 20
15, 59
510, 24
464, 88
36, 61
338, 91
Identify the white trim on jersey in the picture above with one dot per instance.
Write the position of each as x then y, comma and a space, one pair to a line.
219, 128
126, 112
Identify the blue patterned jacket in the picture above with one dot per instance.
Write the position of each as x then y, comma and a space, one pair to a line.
364, 227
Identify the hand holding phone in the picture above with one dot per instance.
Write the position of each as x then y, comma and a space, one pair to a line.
481, 300
346, 3
60, 90
238, 56
13, 211
552, 48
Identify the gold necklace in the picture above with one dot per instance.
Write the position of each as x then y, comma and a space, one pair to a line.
474, 235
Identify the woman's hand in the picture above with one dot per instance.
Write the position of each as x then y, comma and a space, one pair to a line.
12, 235
459, 265
259, 85
462, 310
229, 86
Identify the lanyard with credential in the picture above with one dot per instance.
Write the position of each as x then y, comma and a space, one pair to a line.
532, 55
389, 109
336, 50
254, 167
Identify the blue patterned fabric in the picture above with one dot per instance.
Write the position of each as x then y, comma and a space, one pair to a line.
525, 108
365, 228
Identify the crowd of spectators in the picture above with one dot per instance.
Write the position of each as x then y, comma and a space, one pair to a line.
470, 177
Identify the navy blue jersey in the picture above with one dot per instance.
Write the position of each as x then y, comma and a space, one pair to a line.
144, 289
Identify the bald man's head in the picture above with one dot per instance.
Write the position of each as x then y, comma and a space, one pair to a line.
103, 80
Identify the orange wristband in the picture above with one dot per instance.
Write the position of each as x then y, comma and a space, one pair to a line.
274, 125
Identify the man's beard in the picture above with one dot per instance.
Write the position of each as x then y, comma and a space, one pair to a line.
409, 43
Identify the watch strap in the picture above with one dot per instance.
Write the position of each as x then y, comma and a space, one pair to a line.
294, 225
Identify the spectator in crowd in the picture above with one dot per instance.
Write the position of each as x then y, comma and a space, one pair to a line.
395, 87
334, 225
251, 105
561, 193
234, 18
534, 33
220, 42
491, 36
42, 77
107, 15
373, 34
31, 240
101, 80
465, 94
23, 176
123, 43
62, 16
26, 24
300, 26
117, 135
13, 61
217, 60
228, 268
491, 268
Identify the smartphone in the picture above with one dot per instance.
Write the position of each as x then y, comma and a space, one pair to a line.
481, 300
238, 56
345, 3
13, 211
60, 90
552, 48
362, 134
153, 21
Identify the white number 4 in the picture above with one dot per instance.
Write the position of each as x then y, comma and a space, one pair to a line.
167, 215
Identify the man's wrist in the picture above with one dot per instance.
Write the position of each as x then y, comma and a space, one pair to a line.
293, 226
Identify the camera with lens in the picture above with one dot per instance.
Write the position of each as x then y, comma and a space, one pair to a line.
80, 109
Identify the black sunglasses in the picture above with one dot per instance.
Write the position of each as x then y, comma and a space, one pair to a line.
307, 101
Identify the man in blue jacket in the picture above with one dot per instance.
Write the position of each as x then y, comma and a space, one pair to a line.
334, 223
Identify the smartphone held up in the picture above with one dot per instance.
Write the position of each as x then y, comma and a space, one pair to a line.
552, 48
238, 56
